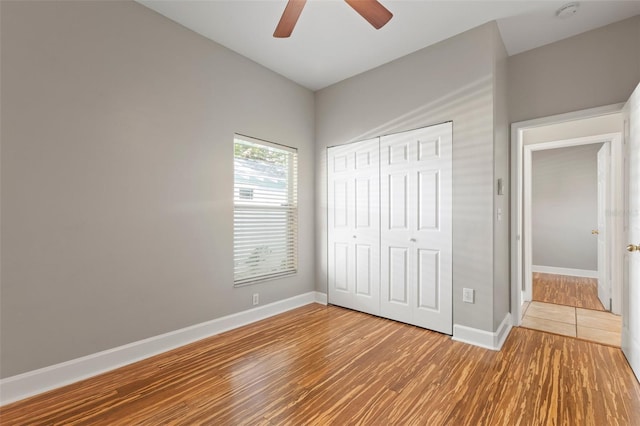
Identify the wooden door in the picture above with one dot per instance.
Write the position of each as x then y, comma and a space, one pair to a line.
416, 227
354, 226
631, 282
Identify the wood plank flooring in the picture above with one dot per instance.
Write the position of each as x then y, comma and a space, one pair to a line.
566, 290
320, 365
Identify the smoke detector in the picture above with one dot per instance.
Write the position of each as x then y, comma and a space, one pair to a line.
567, 10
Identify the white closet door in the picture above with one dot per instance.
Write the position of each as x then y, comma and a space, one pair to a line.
416, 232
354, 226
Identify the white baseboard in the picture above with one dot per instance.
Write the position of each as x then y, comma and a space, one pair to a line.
321, 298
44, 379
631, 346
484, 339
564, 271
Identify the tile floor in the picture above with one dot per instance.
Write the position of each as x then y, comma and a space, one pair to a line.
586, 324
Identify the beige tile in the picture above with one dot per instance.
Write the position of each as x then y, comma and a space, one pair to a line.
598, 319
548, 325
601, 336
549, 311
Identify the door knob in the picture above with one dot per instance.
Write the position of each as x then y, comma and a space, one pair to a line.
355, 236
594, 232
413, 240
633, 247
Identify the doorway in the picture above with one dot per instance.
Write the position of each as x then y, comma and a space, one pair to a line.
597, 286
567, 233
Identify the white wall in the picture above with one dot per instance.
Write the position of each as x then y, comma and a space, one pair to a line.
117, 174
564, 207
452, 80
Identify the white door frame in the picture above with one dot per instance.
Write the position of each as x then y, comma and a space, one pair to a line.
615, 141
521, 250
606, 199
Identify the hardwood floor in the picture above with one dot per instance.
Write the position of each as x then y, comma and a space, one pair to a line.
566, 290
327, 365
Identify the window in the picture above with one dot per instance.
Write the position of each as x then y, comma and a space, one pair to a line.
265, 223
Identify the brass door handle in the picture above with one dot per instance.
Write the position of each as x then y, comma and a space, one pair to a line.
595, 232
633, 247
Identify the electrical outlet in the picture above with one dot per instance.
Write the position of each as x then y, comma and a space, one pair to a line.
256, 298
467, 295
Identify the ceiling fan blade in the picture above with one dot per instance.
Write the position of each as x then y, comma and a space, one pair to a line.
371, 10
289, 18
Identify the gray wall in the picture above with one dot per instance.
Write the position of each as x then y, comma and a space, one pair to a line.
599, 67
452, 80
501, 271
117, 174
550, 246
564, 200
116, 163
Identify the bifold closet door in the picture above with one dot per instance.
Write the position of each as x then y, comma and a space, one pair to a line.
416, 227
354, 226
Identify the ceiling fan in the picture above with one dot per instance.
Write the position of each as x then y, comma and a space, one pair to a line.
371, 10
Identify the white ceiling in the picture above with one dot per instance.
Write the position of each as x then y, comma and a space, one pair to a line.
331, 42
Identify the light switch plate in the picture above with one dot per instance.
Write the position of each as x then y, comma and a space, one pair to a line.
467, 295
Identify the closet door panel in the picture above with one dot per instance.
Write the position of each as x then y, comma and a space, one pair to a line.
426, 202
398, 271
364, 208
340, 221
340, 268
395, 276
363, 269
354, 226
428, 278
397, 204
340, 208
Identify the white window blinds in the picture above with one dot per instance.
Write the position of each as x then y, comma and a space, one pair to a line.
265, 226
